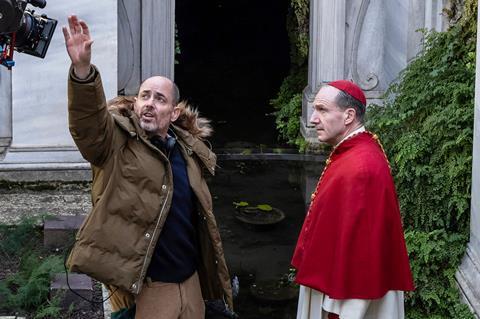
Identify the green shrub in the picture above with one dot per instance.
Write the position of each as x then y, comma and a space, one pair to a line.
288, 102
434, 259
15, 240
426, 126
28, 289
51, 309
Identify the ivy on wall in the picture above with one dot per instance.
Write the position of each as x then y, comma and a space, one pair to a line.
288, 102
426, 126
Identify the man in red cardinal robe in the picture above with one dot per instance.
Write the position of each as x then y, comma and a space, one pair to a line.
351, 258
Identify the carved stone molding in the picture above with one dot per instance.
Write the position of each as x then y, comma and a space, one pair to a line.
158, 38
146, 42
129, 46
371, 81
326, 60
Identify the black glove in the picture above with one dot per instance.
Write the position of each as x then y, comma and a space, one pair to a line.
217, 309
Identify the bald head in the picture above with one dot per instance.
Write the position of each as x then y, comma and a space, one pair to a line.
156, 105
161, 80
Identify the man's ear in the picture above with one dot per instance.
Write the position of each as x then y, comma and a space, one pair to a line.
176, 113
350, 115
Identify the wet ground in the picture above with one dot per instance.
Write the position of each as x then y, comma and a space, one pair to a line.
258, 254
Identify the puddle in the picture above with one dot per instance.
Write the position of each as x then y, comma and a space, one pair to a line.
257, 254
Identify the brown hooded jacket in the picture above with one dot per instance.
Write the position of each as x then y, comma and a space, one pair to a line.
132, 191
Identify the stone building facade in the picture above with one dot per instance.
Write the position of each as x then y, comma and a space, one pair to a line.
369, 41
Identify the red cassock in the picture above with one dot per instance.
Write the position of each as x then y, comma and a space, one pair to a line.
352, 245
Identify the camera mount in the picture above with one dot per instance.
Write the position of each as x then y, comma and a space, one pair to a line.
23, 30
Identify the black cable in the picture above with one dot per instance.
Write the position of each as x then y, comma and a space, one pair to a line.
68, 284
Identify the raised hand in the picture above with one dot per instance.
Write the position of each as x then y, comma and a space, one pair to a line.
79, 45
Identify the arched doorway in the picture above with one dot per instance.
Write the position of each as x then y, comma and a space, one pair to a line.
234, 56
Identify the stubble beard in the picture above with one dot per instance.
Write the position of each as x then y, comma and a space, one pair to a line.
148, 127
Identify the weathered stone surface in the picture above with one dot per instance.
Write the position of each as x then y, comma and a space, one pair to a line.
80, 283
468, 280
59, 231
21, 201
33, 98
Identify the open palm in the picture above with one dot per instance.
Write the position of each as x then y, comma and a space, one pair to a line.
78, 42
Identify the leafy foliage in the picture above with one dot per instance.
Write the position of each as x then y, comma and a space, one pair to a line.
51, 309
297, 25
288, 102
426, 126
434, 259
16, 240
27, 289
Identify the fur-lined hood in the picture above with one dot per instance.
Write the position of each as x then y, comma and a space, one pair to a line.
188, 120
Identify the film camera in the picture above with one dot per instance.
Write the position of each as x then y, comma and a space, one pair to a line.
23, 30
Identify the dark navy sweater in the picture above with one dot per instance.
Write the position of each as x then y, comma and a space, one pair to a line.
175, 256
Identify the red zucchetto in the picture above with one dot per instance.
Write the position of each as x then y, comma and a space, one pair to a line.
350, 88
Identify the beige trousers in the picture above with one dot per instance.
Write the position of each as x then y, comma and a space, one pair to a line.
159, 300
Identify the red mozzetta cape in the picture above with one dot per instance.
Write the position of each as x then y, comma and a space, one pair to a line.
351, 245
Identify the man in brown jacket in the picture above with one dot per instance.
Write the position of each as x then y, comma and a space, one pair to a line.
151, 236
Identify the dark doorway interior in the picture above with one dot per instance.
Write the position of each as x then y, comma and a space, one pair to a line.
234, 56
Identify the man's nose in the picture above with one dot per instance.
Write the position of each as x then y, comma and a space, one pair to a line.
314, 118
148, 104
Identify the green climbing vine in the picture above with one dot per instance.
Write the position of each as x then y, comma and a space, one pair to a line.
288, 102
426, 126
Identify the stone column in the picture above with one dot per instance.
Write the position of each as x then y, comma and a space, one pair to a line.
468, 275
434, 19
146, 42
41, 146
416, 21
326, 62
326, 58
5, 109
158, 38
129, 46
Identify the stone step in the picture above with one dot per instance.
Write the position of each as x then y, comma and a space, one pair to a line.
59, 231
80, 283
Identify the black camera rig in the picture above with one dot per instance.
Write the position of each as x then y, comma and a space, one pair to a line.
23, 30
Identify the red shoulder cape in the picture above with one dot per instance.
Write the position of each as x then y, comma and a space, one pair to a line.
352, 243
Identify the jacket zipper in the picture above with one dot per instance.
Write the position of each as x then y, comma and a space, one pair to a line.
151, 241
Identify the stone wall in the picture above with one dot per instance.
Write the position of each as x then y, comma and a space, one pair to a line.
34, 132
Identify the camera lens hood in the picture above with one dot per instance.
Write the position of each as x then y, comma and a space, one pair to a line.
7, 15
